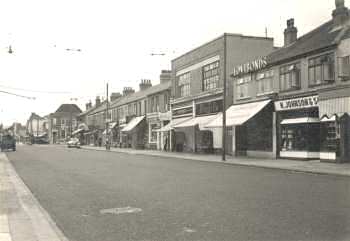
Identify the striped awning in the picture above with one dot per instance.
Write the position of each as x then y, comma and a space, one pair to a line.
336, 106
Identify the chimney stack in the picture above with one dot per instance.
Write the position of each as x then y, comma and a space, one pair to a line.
290, 33
128, 91
115, 96
340, 14
165, 76
98, 101
145, 84
88, 105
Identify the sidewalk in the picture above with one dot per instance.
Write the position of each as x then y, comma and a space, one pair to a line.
315, 167
21, 216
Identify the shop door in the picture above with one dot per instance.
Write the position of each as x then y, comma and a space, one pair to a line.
241, 140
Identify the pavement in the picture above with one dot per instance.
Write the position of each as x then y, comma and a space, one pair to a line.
315, 167
21, 216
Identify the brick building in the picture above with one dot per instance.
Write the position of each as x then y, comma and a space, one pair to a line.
295, 102
197, 89
63, 122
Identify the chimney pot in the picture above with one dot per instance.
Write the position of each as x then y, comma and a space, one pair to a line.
340, 14
290, 33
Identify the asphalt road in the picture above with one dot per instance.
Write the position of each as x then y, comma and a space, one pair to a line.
180, 199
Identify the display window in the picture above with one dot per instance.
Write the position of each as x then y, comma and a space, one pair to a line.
330, 136
300, 137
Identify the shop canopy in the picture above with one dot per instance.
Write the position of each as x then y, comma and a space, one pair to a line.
111, 125
173, 123
201, 121
303, 120
337, 106
238, 114
329, 119
133, 123
77, 131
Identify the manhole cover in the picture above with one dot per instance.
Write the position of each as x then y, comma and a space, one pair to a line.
120, 210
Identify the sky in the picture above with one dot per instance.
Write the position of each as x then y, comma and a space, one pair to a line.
117, 39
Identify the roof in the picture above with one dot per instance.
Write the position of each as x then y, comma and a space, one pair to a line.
68, 108
141, 94
322, 37
35, 116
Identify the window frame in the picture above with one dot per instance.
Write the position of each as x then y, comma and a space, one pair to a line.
269, 75
211, 76
320, 62
184, 84
289, 70
243, 81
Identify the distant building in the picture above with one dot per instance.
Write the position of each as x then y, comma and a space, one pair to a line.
36, 125
63, 122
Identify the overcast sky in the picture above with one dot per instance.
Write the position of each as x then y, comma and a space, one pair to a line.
117, 39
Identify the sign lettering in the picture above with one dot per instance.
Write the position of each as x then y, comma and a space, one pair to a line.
250, 67
298, 103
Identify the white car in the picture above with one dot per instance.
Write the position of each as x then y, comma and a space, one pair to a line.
73, 142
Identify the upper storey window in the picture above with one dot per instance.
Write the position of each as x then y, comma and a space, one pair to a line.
265, 82
321, 70
243, 86
184, 84
211, 76
290, 77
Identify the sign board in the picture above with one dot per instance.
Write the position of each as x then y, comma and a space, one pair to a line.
297, 103
252, 66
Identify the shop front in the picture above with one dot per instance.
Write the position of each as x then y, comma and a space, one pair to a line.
298, 128
195, 137
134, 132
335, 128
250, 127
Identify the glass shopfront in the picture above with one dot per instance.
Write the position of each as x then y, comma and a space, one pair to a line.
298, 128
300, 137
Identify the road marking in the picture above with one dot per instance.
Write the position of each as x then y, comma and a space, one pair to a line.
120, 210
189, 230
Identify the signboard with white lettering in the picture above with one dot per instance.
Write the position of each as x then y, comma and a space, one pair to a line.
297, 103
252, 66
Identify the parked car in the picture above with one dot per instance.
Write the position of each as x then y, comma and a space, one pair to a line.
8, 142
73, 142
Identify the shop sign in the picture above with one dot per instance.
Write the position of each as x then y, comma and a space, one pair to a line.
183, 111
165, 116
252, 66
297, 103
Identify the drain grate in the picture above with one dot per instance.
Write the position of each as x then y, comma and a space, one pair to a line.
122, 210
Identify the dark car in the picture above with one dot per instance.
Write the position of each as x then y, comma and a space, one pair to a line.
8, 142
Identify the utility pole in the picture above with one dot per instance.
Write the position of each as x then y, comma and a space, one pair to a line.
224, 105
107, 119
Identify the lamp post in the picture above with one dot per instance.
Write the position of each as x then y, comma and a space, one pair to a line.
107, 120
224, 105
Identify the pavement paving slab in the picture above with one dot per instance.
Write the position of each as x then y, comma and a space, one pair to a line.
21, 216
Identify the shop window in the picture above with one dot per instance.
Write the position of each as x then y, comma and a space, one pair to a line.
209, 107
265, 82
211, 76
330, 136
290, 77
300, 137
153, 133
184, 84
321, 70
243, 87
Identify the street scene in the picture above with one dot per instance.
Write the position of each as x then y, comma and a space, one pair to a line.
120, 122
